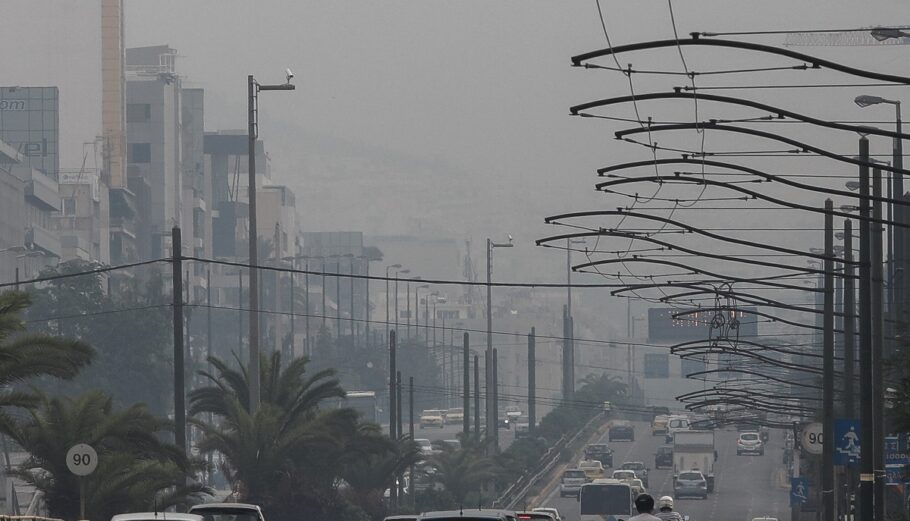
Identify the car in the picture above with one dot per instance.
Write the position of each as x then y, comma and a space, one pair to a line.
571, 482
504, 421
641, 471
675, 424
750, 443
764, 518
522, 426
403, 517
663, 457
455, 416
690, 483
593, 469
659, 425
425, 445
535, 516
156, 516
621, 430
624, 475
513, 412
601, 452
637, 486
468, 514
228, 512
432, 418
551, 510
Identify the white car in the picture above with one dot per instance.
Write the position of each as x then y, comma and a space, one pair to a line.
593, 469
433, 418
157, 516
513, 412
550, 511
455, 415
750, 443
426, 447
624, 475
228, 512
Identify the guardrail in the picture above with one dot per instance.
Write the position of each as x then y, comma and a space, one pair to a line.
519, 489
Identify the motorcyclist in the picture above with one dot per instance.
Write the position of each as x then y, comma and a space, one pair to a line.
665, 510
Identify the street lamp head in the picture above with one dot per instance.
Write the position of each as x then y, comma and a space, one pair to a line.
289, 75
852, 185
865, 100
849, 208
396, 266
886, 33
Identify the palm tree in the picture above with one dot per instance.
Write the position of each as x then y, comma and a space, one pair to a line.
29, 355
136, 470
597, 387
371, 463
287, 455
462, 471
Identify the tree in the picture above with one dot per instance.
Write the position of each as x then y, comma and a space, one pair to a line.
287, 456
29, 355
136, 470
462, 471
371, 462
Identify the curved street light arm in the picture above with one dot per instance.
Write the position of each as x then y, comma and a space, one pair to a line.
781, 113
748, 46
692, 229
761, 347
752, 373
620, 134
736, 188
613, 233
760, 314
695, 270
747, 354
758, 173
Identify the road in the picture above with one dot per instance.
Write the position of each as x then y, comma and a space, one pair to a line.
746, 486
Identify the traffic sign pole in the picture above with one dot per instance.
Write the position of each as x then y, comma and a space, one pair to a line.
81, 460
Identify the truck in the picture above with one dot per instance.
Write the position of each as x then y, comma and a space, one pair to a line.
694, 450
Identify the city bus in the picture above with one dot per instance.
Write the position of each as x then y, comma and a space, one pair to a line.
364, 402
605, 500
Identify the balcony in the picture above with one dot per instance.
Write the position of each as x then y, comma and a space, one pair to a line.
37, 238
41, 190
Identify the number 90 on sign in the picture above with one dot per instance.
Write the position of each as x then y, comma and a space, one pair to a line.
81, 459
813, 438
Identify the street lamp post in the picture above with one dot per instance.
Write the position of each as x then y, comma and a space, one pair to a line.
387, 268
253, 89
397, 313
492, 413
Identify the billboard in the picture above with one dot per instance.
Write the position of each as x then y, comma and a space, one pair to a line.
29, 122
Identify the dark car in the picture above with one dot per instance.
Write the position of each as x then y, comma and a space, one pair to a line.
621, 430
663, 457
600, 452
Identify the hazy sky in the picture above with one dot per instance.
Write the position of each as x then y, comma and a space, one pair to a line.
478, 88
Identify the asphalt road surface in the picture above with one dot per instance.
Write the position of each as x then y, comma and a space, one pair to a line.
745, 486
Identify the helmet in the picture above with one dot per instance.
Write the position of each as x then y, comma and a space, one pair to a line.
665, 502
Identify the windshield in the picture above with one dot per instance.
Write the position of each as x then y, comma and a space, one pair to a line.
750, 436
633, 466
623, 474
606, 500
229, 517
573, 474
690, 476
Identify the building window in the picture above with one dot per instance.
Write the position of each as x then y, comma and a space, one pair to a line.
138, 113
657, 366
69, 206
140, 153
691, 365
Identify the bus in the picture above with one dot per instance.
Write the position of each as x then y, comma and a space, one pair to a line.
364, 402
605, 500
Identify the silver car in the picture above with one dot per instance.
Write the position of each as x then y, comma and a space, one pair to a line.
572, 480
690, 483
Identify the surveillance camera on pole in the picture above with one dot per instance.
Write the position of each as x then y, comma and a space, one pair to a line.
289, 75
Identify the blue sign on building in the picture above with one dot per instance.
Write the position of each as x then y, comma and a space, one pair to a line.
847, 442
896, 460
799, 491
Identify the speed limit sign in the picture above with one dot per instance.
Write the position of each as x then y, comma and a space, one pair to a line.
813, 438
81, 459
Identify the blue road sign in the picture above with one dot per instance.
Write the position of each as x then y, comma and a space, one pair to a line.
846, 442
893, 453
895, 474
799, 491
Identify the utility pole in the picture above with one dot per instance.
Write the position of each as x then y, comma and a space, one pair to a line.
366, 311
353, 321
177, 293
240, 312
878, 282
828, 512
495, 402
411, 407
867, 468
477, 397
532, 382
849, 322
393, 407
492, 428
398, 414
466, 385
338, 300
